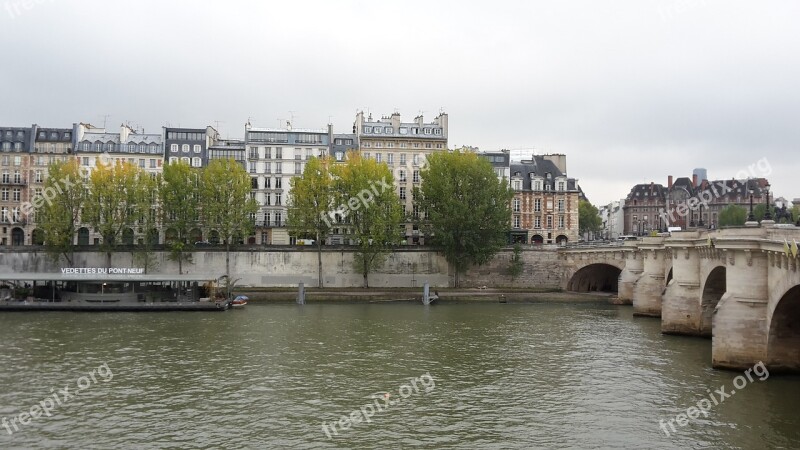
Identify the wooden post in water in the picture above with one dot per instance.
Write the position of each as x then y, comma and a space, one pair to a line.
301, 295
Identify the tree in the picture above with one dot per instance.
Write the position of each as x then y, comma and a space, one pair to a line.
311, 204
58, 209
226, 205
465, 206
179, 209
589, 220
119, 194
732, 215
144, 255
516, 264
365, 192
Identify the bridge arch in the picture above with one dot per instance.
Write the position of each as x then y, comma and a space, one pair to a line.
595, 277
783, 347
714, 287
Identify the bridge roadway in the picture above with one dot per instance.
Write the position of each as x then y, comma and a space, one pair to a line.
737, 286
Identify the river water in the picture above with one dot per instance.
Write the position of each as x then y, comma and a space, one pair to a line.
543, 375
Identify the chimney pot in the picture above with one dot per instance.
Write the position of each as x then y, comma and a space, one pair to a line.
694, 180
669, 182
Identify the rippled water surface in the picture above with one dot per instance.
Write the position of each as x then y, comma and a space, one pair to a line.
546, 375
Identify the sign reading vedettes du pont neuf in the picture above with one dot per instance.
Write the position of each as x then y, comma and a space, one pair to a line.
103, 270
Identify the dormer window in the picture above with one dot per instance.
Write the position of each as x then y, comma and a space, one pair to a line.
367, 130
517, 184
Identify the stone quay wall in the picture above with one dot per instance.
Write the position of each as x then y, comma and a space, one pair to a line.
288, 266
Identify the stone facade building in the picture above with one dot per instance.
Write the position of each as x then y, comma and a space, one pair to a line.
404, 147
544, 209
93, 143
50, 145
274, 157
687, 203
15, 149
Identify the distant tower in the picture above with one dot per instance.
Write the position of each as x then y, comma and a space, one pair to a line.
701, 174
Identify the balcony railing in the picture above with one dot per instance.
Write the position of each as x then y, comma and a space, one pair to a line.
13, 182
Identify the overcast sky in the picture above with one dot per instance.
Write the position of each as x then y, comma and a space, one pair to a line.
631, 91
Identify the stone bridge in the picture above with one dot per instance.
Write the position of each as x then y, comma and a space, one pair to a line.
738, 286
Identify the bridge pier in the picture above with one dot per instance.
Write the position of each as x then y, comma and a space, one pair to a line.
628, 277
648, 290
740, 332
681, 304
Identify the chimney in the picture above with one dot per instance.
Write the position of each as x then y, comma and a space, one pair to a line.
694, 180
669, 182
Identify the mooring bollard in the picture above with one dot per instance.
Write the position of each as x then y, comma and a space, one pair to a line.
301, 295
426, 294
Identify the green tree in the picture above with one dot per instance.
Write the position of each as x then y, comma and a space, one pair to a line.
144, 255
179, 210
589, 220
732, 215
516, 264
365, 192
226, 206
796, 213
119, 194
59, 207
311, 205
465, 206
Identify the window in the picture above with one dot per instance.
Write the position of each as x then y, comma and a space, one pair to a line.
252, 165
549, 221
561, 205
152, 163
437, 131
402, 193
414, 130
185, 160
366, 155
378, 144
560, 185
415, 211
17, 194
438, 145
428, 145
254, 153
403, 145
278, 153
537, 222
253, 183
560, 221
278, 182
267, 183
309, 153
401, 174
390, 158
267, 199
196, 148
516, 205
298, 168
516, 221
377, 130
278, 167
517, 185
196, 162
173, 148
4, 194
141, 163
378, 157
85, 161
37, 176
403, 130
277, 199
367, 130
402, 159
172, 160
415, 159
537, 185
185, 148
537, 205
17, 160
415, 176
